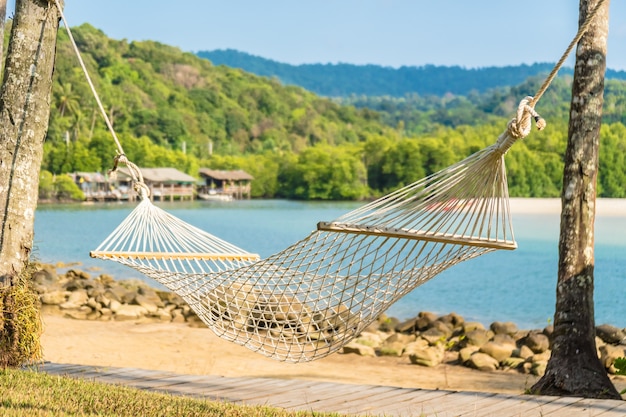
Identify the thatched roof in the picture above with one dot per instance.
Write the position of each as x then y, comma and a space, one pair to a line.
216, 174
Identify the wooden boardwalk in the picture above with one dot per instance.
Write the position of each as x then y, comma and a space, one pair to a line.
359, 400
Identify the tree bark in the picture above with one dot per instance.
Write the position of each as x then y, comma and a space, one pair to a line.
3, 18
24, 114
574, 368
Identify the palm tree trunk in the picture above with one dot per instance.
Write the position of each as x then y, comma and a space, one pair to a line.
24, 113
574, 368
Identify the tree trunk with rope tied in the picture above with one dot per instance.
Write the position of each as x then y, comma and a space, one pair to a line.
574, 368
24, 114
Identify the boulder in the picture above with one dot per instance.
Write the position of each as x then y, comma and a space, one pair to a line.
429, 356
151, 304
407, 326
507, 328
478, 337
46, 276
523, 352
608, 354
359, 349
513, 363
120, 294
537, 342
467, 352
435, 336
129, 312
504, 339
483, 362
453, 320
471, 326
610, 334
498, 351
78, 297
418, 344
54, 297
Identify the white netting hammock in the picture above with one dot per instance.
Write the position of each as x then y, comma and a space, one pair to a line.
315, 296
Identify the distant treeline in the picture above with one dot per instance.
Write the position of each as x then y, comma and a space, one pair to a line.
174, 109
343, 80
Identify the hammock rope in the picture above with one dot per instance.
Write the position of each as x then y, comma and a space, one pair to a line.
315, 296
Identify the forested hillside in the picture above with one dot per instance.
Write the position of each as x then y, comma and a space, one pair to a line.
343, 80
174, 109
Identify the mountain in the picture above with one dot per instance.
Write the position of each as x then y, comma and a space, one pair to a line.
344, 80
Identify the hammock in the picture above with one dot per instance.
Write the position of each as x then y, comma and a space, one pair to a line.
315, 296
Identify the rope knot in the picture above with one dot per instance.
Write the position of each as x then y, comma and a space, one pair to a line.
520, 126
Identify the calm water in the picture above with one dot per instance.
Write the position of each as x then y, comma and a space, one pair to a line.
516, 286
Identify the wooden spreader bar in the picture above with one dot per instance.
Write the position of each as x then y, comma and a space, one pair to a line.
417, 235
158, 256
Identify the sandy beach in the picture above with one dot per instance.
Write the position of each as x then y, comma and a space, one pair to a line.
193, 350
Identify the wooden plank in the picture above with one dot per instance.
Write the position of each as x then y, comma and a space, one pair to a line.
346, 393
380, 401
455, 403
513, 406
365, 402
307, 397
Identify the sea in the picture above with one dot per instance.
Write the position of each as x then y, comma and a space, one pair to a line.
517, 286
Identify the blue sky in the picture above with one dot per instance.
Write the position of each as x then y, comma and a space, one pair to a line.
393, 33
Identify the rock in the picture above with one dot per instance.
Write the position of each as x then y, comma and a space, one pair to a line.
523, 352
507, 328
471, 326
537, 342
120, 294
608, 354
54, 297
513, 363
504, 339
539, 368
435, 336
369, 339
407, 326
400, 338
114, 306
129, 312
151, 304
430, 356
478, 337
483, 362
93, 304
45, 276
418, 344
163, 315
78, 297
498, 351
178, 316
453, 320
388, 324
610, 334
540, 357
360, 350
467, 352
391, 349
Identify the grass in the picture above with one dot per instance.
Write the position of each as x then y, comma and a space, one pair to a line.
28, 393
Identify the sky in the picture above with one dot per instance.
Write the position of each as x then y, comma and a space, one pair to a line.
393, 33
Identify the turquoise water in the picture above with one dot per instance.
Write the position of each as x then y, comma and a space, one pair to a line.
516, 286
